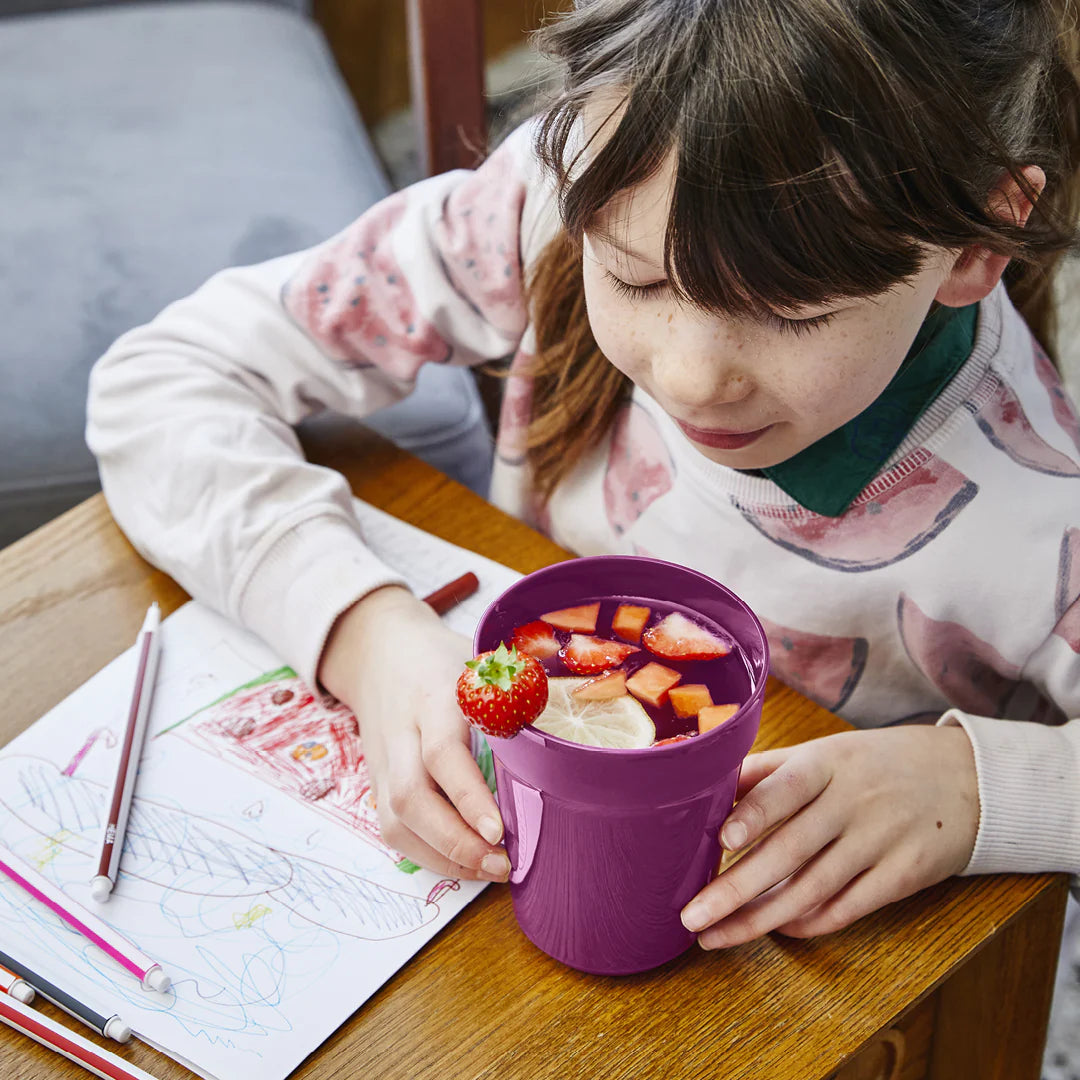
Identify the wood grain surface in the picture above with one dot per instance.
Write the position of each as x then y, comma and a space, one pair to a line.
479, 1002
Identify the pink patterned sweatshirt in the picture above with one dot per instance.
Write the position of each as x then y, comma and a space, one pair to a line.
948, 592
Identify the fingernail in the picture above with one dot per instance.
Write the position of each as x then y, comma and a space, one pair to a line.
695, 916
733, 836
496, 867
490, 829
714, 939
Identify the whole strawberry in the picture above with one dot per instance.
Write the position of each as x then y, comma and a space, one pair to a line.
500, 691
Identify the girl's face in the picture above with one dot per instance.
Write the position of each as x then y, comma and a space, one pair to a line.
747, 393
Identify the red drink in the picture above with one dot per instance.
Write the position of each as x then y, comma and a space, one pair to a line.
728, 678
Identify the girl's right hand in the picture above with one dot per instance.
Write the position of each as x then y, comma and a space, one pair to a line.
395, 663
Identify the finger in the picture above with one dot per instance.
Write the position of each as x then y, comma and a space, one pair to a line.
791, 785
777, 857
861, 896
414, 802
416, 850
756, 767
452, 767
877, 886
815, 883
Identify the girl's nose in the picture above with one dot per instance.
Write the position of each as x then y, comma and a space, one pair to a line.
698, 380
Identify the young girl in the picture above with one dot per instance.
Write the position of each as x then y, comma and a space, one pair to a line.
748, 269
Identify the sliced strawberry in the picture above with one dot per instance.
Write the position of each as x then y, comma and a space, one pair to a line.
535, 639
715, 715
652, 683
675, 637
675, 738
578, 620
500, 691
611, 684
590, 655
689, 700
629, 621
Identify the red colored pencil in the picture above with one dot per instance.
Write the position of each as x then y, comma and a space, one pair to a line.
452, 594
64, 1041
112, 837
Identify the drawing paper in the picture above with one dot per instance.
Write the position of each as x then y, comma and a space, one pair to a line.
253, 869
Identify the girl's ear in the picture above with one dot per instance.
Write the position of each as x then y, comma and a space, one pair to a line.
976, 269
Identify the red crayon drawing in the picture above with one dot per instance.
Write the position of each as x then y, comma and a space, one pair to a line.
275, 728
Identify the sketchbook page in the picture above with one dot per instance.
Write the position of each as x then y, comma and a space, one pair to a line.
253, 869
428, 562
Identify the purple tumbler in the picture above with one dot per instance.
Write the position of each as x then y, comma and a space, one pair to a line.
608, 846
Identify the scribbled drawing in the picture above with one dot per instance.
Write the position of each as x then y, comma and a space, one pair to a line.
970, 673
1003, 421
895, 517
639, 467
1063, 408
441, 887
182, 855
51, 847
308, 747
254, 811
1066, 606
354, 299
107, 737
824, 668
250, 917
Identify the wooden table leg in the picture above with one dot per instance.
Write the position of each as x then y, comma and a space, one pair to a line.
993, 1011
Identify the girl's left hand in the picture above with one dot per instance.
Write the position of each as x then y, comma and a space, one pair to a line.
859, 820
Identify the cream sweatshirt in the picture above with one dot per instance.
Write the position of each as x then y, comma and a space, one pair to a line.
948, 592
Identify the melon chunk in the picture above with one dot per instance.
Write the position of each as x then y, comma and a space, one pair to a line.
578, 620
715, 715
629, 621
652, 683
689, 700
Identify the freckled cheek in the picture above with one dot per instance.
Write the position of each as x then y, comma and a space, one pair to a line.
617, 332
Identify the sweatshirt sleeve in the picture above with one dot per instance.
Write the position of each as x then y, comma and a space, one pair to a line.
191, 416
1029, 773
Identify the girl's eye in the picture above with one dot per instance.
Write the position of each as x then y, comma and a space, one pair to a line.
800, 326
634, 292
785, 326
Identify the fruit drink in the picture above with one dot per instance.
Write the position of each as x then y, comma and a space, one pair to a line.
570, 651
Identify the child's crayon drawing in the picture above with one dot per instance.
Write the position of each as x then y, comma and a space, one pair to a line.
277, 729
253, 869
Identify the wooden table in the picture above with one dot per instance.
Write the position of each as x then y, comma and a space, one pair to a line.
953, 984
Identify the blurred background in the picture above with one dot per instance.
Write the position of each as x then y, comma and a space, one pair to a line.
148, 145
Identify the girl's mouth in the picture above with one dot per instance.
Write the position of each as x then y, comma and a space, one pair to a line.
719, 439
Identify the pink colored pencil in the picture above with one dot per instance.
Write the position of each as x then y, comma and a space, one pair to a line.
147, 971
67, 1042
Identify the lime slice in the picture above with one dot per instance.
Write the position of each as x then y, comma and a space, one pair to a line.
617, 724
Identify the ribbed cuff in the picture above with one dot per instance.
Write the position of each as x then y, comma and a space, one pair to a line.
1029, 796
304, 581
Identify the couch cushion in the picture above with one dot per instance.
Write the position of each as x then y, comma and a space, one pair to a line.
145, 148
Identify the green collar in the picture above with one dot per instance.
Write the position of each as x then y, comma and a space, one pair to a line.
827, 476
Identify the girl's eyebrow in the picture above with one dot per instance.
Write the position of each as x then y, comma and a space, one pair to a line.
599, 232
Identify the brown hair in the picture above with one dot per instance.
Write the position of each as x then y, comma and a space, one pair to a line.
904, 113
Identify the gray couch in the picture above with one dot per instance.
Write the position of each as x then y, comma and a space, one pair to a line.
145, 147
